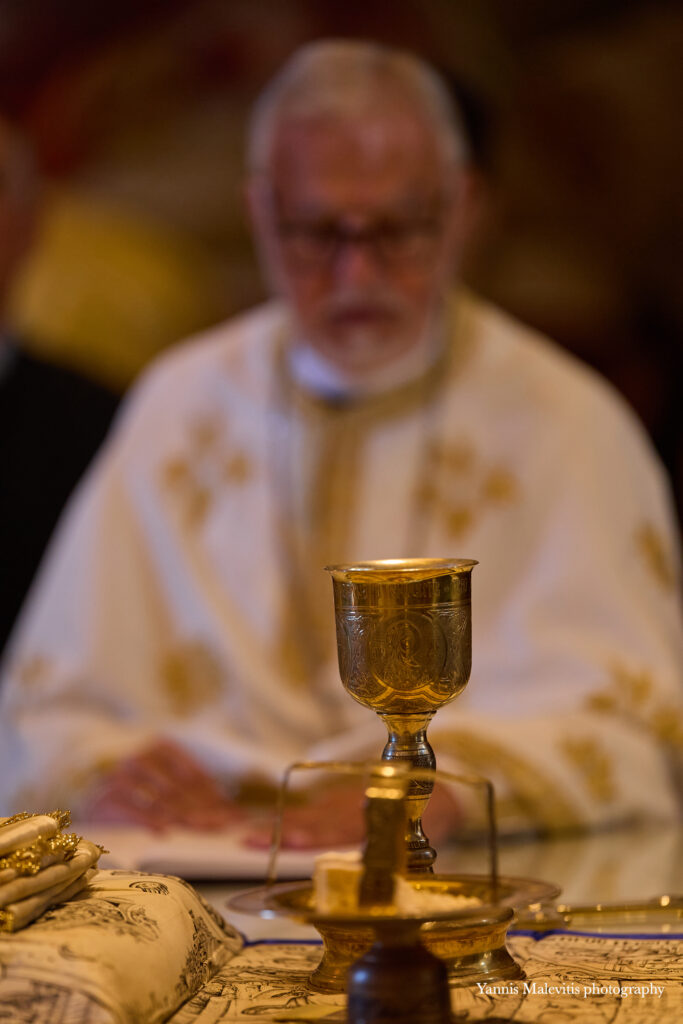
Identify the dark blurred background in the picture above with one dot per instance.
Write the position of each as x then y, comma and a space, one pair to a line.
136, 109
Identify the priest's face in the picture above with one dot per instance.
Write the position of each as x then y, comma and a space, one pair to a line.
360, 223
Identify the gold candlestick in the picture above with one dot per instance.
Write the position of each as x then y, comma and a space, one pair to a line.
404, 638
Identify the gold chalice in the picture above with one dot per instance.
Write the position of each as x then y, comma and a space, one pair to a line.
404, 638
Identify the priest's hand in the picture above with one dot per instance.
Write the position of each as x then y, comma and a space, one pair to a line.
334, 817
160, 787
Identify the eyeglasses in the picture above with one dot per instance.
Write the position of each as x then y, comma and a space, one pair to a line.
393, 242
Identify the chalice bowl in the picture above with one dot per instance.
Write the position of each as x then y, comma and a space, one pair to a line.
404, 639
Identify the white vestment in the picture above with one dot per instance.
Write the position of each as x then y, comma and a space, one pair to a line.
184, 593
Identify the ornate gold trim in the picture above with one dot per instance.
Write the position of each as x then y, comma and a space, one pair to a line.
655, 555
593, 765
530, 793
206, 465
191, 676
27, 860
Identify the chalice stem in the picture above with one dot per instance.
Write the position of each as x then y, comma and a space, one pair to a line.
408, 742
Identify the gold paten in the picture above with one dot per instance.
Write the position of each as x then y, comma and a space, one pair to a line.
404, 640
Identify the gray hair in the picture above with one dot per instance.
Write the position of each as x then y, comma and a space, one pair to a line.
343, 78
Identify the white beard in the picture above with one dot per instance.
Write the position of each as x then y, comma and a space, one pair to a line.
317, 373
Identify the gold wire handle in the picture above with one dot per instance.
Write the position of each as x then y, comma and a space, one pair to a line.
367, 768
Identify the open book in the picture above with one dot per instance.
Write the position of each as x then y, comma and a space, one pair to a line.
193, 855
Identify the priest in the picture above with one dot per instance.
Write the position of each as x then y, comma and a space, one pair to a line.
179, 645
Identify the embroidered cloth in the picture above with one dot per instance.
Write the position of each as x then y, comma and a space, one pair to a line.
185, 596
40, 865
130, 948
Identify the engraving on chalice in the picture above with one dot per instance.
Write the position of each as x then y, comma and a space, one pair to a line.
404, 639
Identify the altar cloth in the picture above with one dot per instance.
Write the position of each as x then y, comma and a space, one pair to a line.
591, 979
135, 948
